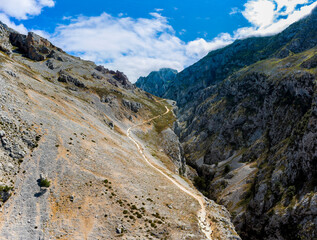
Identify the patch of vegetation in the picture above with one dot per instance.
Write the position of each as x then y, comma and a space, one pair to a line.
38, 138
164, 122
249, 194
202, 184
103, 92
44, 182
227, 169
118, 130
5, 188
291, 191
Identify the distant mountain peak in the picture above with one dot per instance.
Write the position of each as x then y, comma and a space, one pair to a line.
157, 81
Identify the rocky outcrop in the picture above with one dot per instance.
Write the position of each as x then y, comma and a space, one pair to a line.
5, 45
34, 46
174, 149
118, 77
131, 105
157, 82
66, 78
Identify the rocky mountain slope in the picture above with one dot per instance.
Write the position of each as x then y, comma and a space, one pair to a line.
157, 82
247, 121
67, 167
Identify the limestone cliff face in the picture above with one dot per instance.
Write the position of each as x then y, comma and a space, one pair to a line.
68, 169
247, 122
254, 140
174, 149
188, 86
157, 82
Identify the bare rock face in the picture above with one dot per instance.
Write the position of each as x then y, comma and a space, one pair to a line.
34, 46
133, 106
122, 78
5, 45
66, 78
157, 82
258, 136
174, 149
118, 77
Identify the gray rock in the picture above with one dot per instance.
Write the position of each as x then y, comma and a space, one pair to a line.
133, 106
12, 74
2, 133
66, 78
173, 148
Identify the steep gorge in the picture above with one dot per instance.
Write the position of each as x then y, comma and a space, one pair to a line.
247, 122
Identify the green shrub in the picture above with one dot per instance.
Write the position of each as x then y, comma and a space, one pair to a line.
200, 183
44, 182
226, 169
5, 188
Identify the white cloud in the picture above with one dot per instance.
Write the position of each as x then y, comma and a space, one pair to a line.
22, 9
65, 18
234, 11
200, 47
135, 46
259, 12
139, 46
269, 17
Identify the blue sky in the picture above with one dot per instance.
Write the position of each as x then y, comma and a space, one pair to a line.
140, 36
200, 18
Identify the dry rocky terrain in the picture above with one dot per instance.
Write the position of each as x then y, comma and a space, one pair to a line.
67, 167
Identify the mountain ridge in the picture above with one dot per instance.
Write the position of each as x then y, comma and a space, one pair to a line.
247, 122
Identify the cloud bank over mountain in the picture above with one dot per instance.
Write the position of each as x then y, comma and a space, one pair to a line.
138, 46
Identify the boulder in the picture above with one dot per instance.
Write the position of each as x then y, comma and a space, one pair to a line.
2, 133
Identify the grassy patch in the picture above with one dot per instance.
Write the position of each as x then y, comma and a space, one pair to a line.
164, 122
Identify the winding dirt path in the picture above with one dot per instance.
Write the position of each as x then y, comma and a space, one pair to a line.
201, 214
